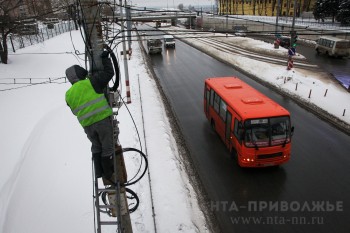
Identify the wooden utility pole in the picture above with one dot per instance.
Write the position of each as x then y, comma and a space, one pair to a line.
91, 21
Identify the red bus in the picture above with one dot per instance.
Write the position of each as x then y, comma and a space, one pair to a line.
253, 127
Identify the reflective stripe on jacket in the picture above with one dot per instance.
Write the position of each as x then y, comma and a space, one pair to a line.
89, 106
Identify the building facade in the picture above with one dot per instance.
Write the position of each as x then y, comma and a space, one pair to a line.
264, 7
32, 8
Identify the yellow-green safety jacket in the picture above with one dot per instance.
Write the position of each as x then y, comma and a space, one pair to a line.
89, 106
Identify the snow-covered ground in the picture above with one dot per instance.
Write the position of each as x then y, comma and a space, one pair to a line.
45, 160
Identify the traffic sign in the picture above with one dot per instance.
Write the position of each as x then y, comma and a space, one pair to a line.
291, 51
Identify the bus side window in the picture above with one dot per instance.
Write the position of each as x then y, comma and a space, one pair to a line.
238, 130
223, 109
211, 97
216, 102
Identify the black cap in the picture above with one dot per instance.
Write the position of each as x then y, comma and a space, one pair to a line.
76, 73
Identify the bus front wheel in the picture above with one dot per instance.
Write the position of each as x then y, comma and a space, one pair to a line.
233, 154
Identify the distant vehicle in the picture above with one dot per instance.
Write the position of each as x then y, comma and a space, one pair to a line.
154, 46
51, 21
333, 46
27, 27
240, 31
169, 41
253, 127
284, 41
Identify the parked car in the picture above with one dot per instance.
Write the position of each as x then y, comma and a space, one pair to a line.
284, 41
51, 21
240, 31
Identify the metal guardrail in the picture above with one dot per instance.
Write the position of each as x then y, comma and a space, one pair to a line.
16, 41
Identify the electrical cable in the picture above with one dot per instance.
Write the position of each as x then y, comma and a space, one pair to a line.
133, 196
33, 84
116, 69
128, 183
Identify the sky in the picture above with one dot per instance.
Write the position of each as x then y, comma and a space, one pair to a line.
45, 159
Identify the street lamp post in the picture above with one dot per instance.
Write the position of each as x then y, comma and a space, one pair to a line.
277, 15
293, 23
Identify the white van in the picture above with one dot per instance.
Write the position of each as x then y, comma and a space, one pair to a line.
333, 46
169, 41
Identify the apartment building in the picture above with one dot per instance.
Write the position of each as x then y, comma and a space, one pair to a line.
264, 7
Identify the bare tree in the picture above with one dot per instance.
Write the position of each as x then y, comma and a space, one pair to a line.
67, 8
13, 13
9, 14
274, 7
242, 7
254, 6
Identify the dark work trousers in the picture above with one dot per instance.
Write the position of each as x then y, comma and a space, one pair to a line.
101, 136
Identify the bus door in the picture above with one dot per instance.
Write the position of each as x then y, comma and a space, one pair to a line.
228, 129
207, 100
237, 132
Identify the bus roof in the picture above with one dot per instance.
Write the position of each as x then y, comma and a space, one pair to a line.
168, 36
245, 100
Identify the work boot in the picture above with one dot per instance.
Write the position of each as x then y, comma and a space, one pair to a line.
108, 167
96, 157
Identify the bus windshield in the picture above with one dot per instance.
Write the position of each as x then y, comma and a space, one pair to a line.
267, 131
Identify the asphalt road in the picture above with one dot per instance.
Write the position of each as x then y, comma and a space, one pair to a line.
339, 67
296, 197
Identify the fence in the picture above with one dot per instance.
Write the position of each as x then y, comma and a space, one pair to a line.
21, 41
267, 24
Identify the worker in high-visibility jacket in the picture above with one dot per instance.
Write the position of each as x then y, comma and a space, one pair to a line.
87, 100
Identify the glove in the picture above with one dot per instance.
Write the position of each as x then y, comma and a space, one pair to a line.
104, 54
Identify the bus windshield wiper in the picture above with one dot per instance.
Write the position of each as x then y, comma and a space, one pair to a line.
285, 141
253, 141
